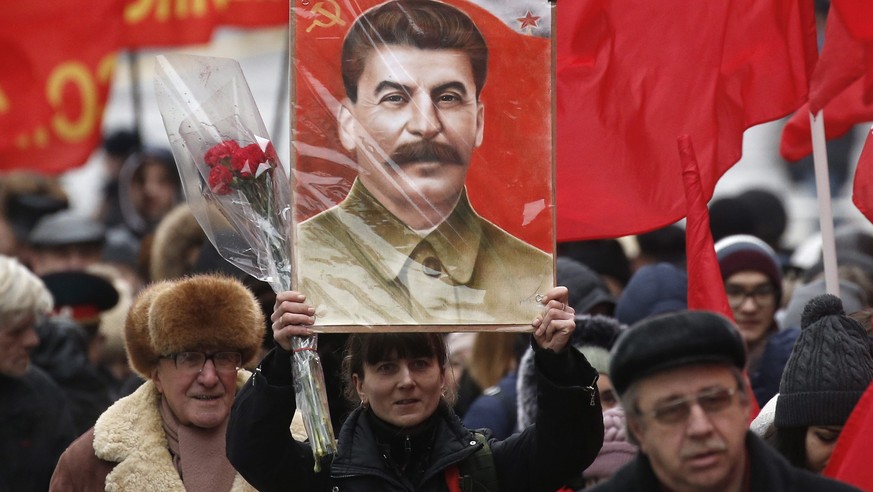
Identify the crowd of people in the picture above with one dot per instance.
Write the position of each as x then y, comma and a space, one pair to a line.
133, 357
107, 368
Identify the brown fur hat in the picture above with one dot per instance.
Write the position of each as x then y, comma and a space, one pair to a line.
137, 343
202, 311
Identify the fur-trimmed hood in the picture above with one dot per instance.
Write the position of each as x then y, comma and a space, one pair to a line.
176, 236
130, 433
599, 331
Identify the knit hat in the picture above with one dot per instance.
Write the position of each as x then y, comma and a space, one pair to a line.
616, 450
674, 340
653, 289
829, 368
190, 314
742, 252
586, 288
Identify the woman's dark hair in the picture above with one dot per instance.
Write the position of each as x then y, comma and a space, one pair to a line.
791, 444
370, 348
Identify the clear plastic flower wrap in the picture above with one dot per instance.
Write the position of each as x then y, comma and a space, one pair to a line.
240, 194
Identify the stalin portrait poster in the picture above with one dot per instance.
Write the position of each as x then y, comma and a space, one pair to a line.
422, 163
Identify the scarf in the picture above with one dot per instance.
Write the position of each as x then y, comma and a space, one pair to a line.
205, 466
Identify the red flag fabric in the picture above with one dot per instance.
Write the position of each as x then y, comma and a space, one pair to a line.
150, 23
858, 16
705, 284
633, 75
55, 80
256, 13
862, 188
842, 85
850, 460
843, 112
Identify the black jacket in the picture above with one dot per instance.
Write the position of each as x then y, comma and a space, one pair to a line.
566, 438
63, 354
770, 473
35, 428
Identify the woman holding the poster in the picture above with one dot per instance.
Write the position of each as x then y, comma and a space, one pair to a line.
404, 435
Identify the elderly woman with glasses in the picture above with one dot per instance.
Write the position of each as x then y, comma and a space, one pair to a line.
189, 339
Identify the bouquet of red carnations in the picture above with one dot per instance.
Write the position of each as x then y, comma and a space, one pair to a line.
240, 194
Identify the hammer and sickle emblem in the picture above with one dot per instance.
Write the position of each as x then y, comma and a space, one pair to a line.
333, 16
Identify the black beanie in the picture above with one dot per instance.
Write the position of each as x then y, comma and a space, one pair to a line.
829, 368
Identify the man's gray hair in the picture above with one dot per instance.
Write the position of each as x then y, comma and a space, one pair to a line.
21, 292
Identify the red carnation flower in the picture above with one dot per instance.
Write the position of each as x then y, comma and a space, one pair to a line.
251, 155
272, 157
220, 179
220, 154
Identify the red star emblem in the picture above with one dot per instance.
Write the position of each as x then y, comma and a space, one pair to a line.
529, 21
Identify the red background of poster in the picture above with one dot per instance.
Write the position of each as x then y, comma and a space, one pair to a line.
513, 166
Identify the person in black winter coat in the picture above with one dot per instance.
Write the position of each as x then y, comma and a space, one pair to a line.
687, 403
404, 436
35, 420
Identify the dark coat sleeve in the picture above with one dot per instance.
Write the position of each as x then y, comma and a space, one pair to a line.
568, 432
259, 441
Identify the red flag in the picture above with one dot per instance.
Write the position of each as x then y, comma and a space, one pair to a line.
633, 75
55, 80
163, 23
843, 112
841, 84
152, 23
256, 13
850, 460
862, 189
705, 283
858, 16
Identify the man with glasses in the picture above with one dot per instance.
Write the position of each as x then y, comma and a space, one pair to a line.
753, 283
189, 339
680, 380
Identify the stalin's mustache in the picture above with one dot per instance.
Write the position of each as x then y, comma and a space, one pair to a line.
425, 151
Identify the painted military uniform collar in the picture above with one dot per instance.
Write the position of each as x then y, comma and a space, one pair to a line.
455, 242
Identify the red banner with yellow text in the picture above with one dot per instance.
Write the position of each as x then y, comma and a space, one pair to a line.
55, 80
256, 13
153, 23
150, 23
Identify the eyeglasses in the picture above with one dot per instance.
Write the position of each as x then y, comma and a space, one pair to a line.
193, 362
763, 295
677, 410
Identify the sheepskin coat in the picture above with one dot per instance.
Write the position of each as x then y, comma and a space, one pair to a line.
126, 450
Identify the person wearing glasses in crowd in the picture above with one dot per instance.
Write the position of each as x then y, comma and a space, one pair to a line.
680, 380
753, 283
189, 339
